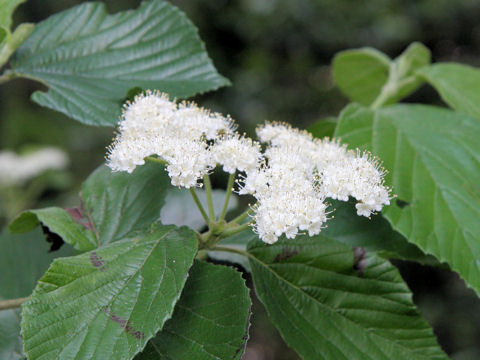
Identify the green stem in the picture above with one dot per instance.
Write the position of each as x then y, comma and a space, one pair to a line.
234, 230
199, 204
208, 191
156, 160
202, 255
241, 217
12, 304
231, 250
231, 179
381, 99
21, 33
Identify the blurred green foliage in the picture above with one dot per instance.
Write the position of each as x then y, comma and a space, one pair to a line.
277, 54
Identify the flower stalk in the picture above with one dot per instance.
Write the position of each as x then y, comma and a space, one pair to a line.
199, 205
231, 180
208, 192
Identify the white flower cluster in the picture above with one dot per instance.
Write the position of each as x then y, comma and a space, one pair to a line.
299, 173
16, 169
291, 179
190, 139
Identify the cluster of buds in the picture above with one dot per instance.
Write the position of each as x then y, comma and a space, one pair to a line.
291, 179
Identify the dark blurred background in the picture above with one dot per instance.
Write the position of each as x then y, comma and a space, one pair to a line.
277, 54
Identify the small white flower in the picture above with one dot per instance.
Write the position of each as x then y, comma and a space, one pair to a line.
154, 125
236, 153
299, 173
189, 163
290, 180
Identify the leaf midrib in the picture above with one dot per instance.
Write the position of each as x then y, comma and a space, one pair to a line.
366, 330
441, 189
140, 267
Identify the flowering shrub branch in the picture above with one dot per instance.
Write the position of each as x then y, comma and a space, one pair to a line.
141, 289
291, 179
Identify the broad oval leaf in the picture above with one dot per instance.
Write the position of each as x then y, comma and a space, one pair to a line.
361, 73
329, 304
432, 156
118, 203
108, 303
210, 320
90, 60
458, 85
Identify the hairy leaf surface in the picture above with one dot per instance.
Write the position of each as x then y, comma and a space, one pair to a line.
108, 303
210, 320
119, 203
329, 304
90, 60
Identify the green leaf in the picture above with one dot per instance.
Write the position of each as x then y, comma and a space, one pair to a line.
458, 85
432, 156
114, 205
8, 7
59, 222
323, 128
207, 324
3, 34
403, 79
118, 203
90, 60
375, 234
361, 73
9, 43
108, 303
329, 305
23, 260
369, 77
